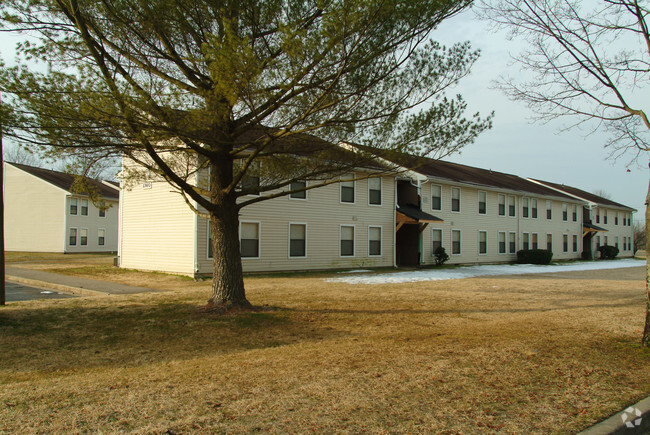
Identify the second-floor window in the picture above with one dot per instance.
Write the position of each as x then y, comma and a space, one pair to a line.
533, 208
374, 191
455, 199
482, 202
524, 207
73, 206
347, 189
296, 185
574, 213
511, 206
502, 205
565, 211
436, 197
84, 207
549, 209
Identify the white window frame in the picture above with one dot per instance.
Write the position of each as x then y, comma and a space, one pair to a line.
505, 204
354, 188
575, 243
479, 202
442, 236
565, 246
381, 187
505, 243
81, 207
76, 206
549, 207
574, 213
259, 238
534, 236
354, 240
381, 237
306, 192
565, 212
460, 242
552, 243
440, 187
516, 243
535, 207
525, 207
98, 230
487, 245
289, 240
79, 233
451, 197
523, 241
76, 236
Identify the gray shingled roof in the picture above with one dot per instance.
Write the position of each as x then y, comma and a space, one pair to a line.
64, 181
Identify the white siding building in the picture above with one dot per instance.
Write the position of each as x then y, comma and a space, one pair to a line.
477, 215
42, 214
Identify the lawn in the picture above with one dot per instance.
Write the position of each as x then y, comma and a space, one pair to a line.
530, 354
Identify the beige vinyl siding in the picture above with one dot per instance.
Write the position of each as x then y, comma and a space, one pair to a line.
470, 222
323, 213
158, 229
34, 213
614, 230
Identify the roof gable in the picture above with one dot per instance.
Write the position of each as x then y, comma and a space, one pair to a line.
64, 181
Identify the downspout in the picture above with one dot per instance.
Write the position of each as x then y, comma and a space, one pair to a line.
395, 222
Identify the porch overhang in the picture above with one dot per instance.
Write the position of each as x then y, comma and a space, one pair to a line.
591, 228
412, 215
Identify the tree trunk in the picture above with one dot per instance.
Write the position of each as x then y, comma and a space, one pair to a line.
645, 341
228, 279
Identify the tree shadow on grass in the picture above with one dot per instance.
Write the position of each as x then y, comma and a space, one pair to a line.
62, 337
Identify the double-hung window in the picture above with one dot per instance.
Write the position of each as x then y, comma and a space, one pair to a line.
534, 238
436, 197
84, 207
502, 204
101, 237
347, 240
73, 237
297, 240
512, 243
83, 237
574, 213
525, 207
533, 208
436, 237
549, 209
482, 242
525, 241
565, 243
549, 242
575, 243
455, 199
502, 242
347, 189
249, 234
482, 202
73, 206
565, 211
455, 242
374, 241
374, 191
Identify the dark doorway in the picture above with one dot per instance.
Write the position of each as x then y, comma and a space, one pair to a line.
408, 245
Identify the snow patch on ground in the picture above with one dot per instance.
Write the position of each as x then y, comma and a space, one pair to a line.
484, 270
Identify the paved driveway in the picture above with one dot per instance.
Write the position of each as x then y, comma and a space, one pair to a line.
19, 292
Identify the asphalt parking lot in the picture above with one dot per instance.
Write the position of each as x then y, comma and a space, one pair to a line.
15, 292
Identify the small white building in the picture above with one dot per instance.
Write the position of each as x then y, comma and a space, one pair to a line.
42, 214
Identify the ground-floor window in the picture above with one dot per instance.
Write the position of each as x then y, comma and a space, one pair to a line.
249, 242
83, 237
101, 237
565, 243
374, 241
525, 241
73, 237
297, 240
436, 236
534, 237
502, 242
347, 240
512, 243
482, 242
549, 242
455, 242
575, 243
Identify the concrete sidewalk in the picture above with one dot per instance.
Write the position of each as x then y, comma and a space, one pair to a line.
70, 284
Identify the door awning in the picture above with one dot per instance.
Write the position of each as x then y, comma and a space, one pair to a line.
591, 228
411, 214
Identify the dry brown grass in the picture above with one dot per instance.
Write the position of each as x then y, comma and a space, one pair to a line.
518, 355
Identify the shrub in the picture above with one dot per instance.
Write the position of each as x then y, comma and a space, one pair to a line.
608, 252
441, 255
534, 256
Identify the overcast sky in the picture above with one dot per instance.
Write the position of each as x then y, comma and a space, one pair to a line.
515, 144
518, 146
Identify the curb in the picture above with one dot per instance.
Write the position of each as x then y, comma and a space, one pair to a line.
616, 424
48, 286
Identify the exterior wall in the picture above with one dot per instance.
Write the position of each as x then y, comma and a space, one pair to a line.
92, 223
323, 213
614, 229
157, 229
34, 213
470, 222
